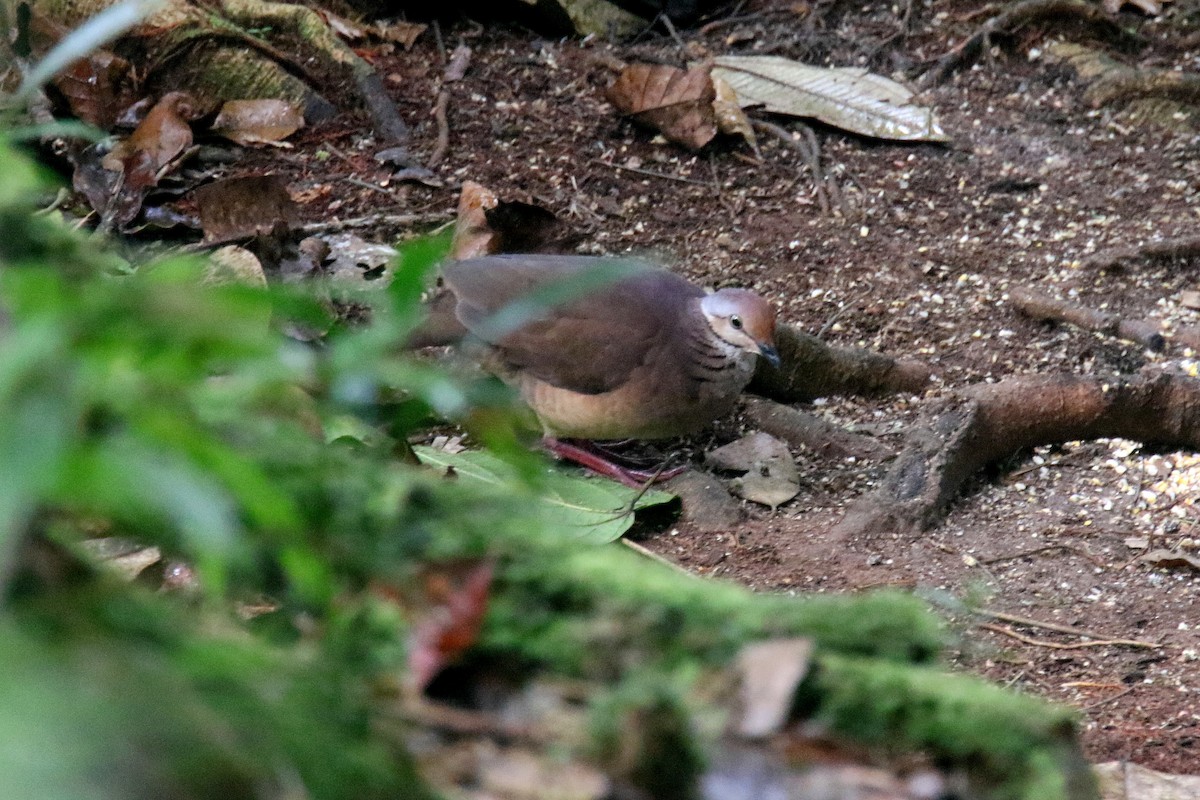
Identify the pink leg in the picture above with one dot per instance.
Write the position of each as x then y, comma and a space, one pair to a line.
597, 463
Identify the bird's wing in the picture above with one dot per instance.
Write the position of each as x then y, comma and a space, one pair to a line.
589, 344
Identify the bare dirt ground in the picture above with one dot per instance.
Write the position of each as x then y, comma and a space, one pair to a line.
917, 264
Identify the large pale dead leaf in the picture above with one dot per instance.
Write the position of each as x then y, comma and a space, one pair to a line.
264, 121
851, 99
595, 511
1120, 780
769, 672
676, 102
126, 558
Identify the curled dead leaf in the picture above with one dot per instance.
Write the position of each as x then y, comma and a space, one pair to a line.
676, 102
731, 120
473, 236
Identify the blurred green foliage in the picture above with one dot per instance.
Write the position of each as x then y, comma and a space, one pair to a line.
156, 407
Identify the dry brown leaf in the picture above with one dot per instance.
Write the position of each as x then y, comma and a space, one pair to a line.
473, 236
676, 102
265, 121
240, 208
402, 33
347, 29
1170, 559
161, 138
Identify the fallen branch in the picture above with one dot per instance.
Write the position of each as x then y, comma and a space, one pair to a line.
811, 369
1008, 22
1044, 307
824, 438
960, 435
377, 220
1161, 250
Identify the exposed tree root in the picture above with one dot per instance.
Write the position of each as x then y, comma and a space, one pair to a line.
958, 436
811, 369
1012, 19
822, 437
1044, 307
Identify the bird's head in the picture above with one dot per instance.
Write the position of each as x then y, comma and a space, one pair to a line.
744, 320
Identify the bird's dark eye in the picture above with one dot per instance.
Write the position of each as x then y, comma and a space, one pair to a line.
736, 322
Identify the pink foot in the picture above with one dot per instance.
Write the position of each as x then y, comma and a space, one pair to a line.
634, 478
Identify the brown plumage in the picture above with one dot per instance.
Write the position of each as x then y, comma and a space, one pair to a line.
645, 355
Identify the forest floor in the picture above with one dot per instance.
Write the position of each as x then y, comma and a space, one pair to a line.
917, 261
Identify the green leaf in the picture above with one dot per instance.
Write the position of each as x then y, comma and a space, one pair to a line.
595, 511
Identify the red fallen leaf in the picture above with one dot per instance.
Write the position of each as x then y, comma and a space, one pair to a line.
97, 87
676, 102
451, 626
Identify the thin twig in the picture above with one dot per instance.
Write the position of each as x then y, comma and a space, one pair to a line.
359, 182
460, 59
653, 556
670, 26
1054, 626
651, 173
811, 158
1045, 549
1108, 699
1020, 637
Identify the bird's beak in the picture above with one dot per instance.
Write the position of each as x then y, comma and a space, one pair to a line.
770, 354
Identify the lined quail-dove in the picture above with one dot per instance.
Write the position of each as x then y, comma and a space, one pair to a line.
642, 355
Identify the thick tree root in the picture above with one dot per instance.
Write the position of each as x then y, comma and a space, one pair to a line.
820, 436
957, 437
811, 369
